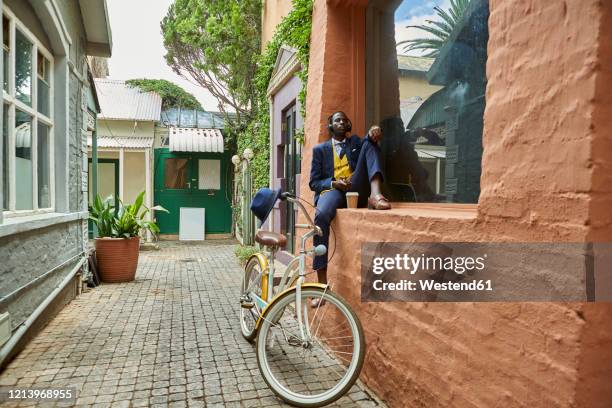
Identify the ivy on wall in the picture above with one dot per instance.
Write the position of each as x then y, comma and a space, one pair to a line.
294, 31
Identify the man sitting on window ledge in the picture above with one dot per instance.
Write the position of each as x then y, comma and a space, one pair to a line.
344, 164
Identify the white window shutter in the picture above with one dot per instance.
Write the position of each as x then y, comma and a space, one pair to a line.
209, 174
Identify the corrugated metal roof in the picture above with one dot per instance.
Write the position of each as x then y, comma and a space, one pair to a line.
119, 101
195, 140
125, 142
410, 63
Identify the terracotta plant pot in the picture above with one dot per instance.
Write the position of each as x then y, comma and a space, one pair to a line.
117, 258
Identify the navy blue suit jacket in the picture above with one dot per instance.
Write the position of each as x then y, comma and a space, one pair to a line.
322, 169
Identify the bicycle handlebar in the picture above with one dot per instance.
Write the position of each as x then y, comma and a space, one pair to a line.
296, 200
293, 199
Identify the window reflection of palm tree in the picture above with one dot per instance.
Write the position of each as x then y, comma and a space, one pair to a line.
439, 31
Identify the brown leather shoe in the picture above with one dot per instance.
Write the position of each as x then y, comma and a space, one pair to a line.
378, 202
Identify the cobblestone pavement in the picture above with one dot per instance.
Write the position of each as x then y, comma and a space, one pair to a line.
171, 338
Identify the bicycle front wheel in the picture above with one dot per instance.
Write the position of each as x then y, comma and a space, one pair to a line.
251, 285
320, 367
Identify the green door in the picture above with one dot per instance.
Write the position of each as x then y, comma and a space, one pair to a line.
196, 180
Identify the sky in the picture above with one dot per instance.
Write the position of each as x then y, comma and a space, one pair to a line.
138, 50
415, 12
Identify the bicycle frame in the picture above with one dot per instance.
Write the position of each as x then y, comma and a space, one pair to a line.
279, 317
294, 273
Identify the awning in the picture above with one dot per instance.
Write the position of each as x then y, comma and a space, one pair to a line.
429, 153
122, 142
195, 140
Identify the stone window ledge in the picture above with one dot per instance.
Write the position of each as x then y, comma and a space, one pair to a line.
16, 225
421, 210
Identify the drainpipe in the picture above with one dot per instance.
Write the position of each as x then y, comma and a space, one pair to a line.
94, 165
6, 349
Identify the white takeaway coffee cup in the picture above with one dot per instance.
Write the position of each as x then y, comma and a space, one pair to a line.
351, 199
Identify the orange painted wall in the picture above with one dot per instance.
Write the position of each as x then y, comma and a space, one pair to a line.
547, 176
272, 13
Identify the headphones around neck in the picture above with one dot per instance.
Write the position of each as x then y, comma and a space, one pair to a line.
330, 126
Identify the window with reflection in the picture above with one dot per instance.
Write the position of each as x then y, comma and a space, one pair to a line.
23, 161
176, 172
44, 84
426, 81
23, 68
43, 161
27, 133
6, 41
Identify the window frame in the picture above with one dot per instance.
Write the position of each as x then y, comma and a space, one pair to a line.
372, 94
12, 103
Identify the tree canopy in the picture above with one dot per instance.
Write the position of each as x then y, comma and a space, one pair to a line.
440, 31
173, 96
216, 44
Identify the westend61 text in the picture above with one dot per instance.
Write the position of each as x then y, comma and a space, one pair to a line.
428, 284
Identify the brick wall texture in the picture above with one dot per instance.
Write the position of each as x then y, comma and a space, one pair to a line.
30, 255
75, 163
545, 177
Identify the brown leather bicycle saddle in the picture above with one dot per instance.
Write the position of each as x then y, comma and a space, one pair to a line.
271, 239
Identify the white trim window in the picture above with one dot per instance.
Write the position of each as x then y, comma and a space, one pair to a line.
27, 134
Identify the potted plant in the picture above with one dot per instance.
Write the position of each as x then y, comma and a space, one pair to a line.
118, 241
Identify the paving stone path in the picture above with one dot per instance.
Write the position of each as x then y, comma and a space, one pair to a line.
171, 338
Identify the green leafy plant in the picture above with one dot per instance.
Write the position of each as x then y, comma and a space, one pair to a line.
102, 213
440, 30
173, 96
215, 44
128, 221
244, 252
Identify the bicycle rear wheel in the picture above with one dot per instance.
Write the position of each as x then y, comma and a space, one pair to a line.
323, 368
251, 284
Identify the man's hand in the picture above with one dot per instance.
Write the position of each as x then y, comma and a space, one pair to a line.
342, 185
375, 134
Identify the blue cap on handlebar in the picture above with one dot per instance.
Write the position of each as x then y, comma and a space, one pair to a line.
263, 202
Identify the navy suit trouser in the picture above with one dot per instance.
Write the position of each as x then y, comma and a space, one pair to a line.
368, 165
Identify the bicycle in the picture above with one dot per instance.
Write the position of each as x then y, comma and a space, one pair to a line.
307, 360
